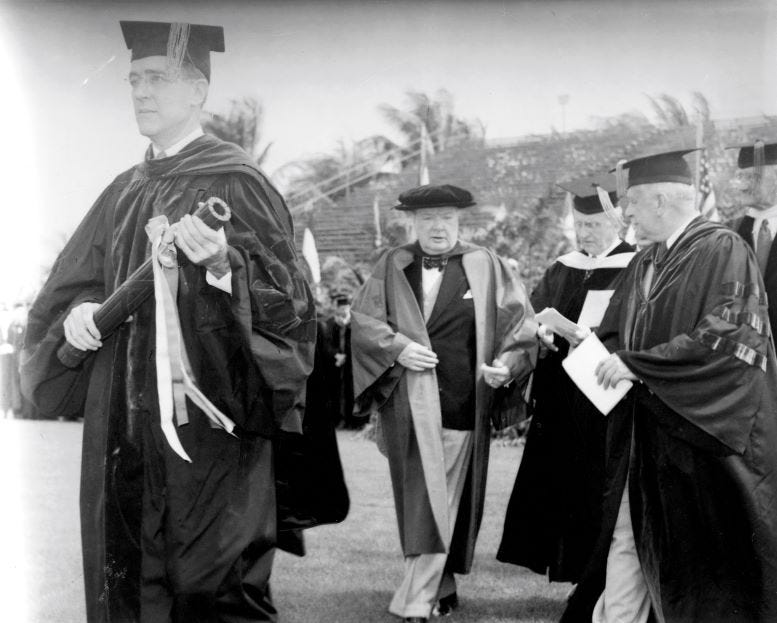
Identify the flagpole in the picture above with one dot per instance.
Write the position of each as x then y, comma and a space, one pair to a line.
376, 222
423, 171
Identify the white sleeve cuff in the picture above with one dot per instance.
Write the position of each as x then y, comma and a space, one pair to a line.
224, 283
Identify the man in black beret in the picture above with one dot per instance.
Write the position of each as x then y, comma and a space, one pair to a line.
438, 327
178, 497
561, 474
689, 529
754, 187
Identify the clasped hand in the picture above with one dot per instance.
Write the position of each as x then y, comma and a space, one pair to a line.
201, 244
417, 357
497, 374
612, 371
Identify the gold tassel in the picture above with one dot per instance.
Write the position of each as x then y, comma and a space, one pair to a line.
759, 159
609, 209
177, 43
621, 179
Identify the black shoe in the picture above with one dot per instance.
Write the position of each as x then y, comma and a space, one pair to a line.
416, 619
446, 605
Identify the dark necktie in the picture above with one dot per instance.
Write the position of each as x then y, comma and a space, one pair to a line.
763, 245
658, 258
435, 261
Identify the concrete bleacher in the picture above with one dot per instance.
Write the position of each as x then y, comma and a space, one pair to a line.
506, 177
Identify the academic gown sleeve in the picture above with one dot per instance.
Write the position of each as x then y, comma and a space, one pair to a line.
375, 344
707, 361
78, 276
271, 305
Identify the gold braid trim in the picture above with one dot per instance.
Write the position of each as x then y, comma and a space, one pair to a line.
728, 347
752, 320
741, 290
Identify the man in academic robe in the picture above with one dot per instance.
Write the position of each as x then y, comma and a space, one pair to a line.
689, 531
178, 515
554, 512
754, 186
437, 328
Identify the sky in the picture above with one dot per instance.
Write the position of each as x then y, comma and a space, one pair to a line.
321, 69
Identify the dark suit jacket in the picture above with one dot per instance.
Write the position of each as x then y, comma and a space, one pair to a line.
451, 329
744, 227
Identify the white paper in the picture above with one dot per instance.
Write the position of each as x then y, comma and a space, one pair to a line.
594, 306
580, 366
557, 322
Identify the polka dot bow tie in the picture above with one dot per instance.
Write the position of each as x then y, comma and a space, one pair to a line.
435, 261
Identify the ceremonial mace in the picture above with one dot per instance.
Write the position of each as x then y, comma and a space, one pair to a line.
136, 289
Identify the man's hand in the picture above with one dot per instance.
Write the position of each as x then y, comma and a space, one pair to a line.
201, 244
80, 330
417, 357
497, 374
546, 338
578, 336
612, 371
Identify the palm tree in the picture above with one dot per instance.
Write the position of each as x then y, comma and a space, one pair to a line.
436, 114
241, 125
672, 114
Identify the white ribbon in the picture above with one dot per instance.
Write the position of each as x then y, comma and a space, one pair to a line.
175, 380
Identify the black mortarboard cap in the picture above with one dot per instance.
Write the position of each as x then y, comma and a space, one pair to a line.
177, 41
585, 197
666, 167
747, 158
442, 196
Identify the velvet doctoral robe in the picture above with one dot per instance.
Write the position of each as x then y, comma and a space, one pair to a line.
554, 512
697, 435
385, 318
744, 227
163, 538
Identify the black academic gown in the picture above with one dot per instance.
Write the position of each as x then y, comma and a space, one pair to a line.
744, 227
697, 436
554, 512
164, 539
336, 339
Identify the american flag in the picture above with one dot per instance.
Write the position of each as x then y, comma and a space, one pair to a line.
705, 197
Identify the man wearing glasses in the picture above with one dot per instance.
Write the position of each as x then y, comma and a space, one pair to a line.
178, 515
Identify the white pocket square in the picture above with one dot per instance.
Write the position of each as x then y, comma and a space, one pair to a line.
467, 294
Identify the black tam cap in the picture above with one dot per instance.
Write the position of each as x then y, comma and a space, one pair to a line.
585, 196
444, 196
666, 167
177, 41
747, 154
340, 299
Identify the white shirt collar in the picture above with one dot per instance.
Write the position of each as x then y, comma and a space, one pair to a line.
769, 215
673, 238
176, 147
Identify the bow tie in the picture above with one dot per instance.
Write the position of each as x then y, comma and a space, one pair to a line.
435, 261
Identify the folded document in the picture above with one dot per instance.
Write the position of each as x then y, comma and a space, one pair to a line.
580, 366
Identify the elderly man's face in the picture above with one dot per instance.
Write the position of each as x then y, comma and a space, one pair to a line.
747, 192
342, 315
437, 229
595, 232
642, 210
164, 106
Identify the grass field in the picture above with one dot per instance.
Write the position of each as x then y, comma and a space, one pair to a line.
348, 575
